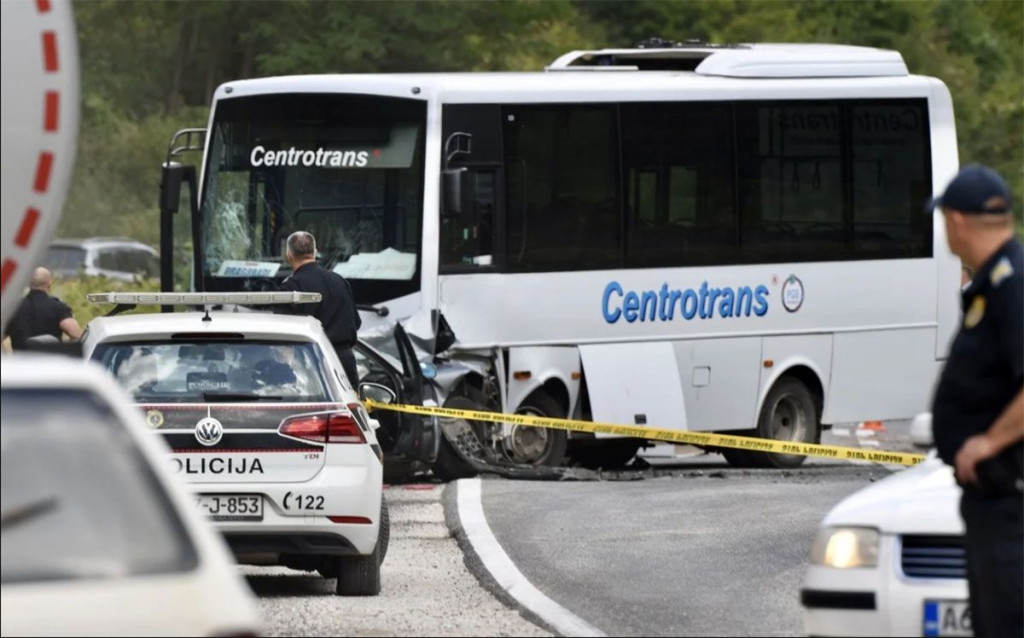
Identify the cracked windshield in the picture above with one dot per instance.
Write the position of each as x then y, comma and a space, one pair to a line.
347, 168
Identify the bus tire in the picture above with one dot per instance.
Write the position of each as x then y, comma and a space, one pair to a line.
539, 446
605, 454
789, 413
735, 457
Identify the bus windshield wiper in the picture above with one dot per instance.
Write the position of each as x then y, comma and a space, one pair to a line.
227, 397
23, 513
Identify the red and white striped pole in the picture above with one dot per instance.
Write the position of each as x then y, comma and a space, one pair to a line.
40, 103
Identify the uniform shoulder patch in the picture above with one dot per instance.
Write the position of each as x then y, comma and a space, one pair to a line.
1001, 271
974, 314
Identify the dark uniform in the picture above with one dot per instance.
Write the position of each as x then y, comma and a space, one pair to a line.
38, 314
984, 373
336, 311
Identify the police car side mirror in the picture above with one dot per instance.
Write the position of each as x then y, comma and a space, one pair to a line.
921, 431
376, 392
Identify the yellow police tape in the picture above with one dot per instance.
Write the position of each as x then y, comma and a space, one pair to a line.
703, 439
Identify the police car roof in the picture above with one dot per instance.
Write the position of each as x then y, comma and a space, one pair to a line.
253, 325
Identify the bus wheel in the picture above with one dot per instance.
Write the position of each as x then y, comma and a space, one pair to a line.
789, 413
538, 446
735, 457
605, 454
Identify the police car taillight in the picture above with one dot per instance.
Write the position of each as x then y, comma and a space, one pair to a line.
334, 427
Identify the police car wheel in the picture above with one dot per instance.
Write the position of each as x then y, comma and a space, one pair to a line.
538, 446
360, 575
789, 413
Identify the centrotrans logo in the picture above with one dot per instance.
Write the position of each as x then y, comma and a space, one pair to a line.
667, 304
320, 158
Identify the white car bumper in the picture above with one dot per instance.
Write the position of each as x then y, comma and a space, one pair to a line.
297, 517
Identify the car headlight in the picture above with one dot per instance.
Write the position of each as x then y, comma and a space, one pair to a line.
845, 547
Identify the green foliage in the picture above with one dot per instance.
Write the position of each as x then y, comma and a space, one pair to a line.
150, 68
72, 291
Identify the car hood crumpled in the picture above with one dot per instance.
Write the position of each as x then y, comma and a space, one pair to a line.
923, 499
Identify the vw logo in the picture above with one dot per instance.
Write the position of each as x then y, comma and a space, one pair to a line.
209, 431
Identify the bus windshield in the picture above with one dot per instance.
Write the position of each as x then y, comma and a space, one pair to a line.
346, 168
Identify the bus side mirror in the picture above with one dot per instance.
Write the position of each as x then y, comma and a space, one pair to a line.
172, 175
451, 187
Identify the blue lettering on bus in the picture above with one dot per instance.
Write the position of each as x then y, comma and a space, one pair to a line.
611, 317
662, 304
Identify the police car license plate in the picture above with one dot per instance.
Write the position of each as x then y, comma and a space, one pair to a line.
231, 507
947, 618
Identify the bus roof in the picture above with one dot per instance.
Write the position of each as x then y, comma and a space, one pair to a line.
699, 70
742, 60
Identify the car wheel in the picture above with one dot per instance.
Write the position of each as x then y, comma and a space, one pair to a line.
384, 535
538, 446
789, 413
360, 575
449, 465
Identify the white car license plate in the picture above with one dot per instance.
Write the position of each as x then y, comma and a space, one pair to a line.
231, 507
947, 618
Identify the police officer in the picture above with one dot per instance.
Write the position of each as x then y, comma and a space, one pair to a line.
978, 411
337, 308
41, 314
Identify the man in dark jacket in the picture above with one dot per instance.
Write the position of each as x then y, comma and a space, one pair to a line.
41, 314
337, 308
978, 411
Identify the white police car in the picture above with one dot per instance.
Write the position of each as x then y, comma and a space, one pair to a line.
889, 559
98, 539
263, 424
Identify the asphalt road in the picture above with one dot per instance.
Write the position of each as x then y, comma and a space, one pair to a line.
701, 551
426, 588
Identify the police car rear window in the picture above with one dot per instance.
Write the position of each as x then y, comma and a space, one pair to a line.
204, 371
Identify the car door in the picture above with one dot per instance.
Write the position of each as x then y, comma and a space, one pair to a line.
395, 366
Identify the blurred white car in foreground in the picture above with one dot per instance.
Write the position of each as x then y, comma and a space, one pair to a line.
889, 559
98, 538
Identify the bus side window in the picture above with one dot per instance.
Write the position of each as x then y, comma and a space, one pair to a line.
468, 239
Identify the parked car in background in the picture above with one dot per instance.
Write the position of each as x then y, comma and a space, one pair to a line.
98, 537
114, 257
889, 560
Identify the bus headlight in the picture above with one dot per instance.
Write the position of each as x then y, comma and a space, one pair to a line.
844, 547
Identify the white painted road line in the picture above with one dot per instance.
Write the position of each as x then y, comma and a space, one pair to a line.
504, 571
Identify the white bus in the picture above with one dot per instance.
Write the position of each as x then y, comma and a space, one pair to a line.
716, 238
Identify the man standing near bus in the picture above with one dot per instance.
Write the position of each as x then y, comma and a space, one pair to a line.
337, 308
978, 411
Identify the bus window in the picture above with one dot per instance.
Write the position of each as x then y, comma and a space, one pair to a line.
562, 206
791, 158
347, 168
468, 239
678, 162
890, 180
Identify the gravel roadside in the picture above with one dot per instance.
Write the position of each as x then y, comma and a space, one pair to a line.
427, 588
